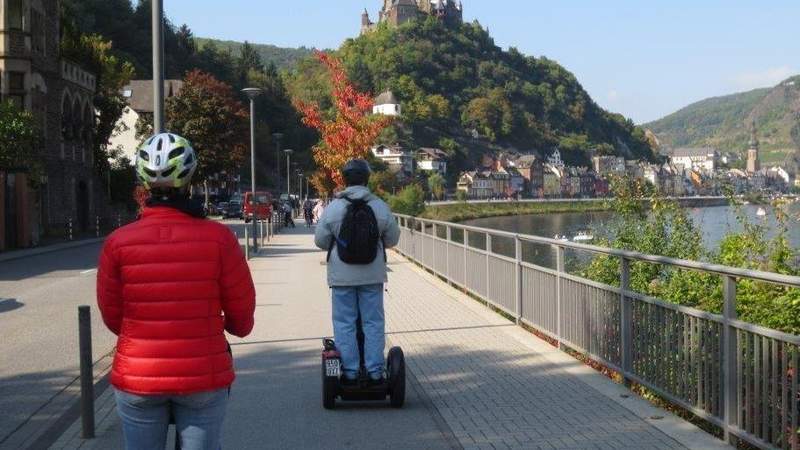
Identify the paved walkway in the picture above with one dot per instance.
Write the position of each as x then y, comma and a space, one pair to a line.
476, 380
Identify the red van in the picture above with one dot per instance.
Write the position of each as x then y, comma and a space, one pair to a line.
262, 207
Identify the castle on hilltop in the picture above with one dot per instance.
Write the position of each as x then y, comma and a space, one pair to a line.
397, 12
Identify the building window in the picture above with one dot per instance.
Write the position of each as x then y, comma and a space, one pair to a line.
15, 14
16, 81
37, 32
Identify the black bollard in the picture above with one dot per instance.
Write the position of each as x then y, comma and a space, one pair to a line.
87, 375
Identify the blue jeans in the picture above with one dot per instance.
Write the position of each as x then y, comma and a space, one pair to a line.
347, 302
198, 419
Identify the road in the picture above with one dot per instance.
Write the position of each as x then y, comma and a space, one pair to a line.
39, 299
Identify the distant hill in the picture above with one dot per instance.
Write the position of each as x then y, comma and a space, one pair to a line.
461, 92
723, 122
283, 58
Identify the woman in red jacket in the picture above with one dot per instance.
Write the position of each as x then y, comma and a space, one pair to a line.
170, 285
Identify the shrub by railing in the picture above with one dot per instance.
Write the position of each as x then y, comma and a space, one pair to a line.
737, 375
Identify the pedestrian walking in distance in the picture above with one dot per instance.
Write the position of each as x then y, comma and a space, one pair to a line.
356, 229
169, 285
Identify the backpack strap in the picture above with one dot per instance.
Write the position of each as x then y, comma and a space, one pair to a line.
334, 238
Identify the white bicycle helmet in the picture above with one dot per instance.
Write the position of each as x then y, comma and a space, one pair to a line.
165, 160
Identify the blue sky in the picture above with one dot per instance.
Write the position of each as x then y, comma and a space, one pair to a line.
642, 58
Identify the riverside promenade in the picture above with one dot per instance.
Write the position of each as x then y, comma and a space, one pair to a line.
476, 380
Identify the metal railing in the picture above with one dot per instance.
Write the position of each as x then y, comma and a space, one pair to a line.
739, 376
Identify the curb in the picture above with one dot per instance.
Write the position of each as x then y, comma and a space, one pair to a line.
48, 249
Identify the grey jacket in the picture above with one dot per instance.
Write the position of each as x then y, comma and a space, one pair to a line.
339, 273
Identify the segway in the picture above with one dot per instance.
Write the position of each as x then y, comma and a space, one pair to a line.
362, 389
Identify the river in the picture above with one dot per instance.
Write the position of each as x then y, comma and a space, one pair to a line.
715, 222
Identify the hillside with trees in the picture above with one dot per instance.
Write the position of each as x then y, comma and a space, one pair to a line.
723, 122
282, 57
461, 92
113, 38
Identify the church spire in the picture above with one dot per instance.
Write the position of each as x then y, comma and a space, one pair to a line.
753, 137
753, 160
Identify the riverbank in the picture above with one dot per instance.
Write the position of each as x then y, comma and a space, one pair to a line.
461, 211
458, 212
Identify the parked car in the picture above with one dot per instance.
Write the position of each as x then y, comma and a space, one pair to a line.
261, 208
222, 208
234, 210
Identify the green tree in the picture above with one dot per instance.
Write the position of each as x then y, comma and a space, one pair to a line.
409, 201
248, 60
650, 224
436, 184
210, 116
383, 183
19, 141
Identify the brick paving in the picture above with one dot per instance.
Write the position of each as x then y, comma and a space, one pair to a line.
491, 390
476, 380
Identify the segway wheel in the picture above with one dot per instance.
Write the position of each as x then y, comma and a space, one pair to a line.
396, 366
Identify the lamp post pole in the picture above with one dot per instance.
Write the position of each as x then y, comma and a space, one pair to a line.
300, 179
158, 66
252, 93
288, 152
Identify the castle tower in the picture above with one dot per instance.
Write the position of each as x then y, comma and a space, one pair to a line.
753, 162
366, 24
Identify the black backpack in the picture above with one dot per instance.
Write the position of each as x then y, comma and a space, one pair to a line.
359, 235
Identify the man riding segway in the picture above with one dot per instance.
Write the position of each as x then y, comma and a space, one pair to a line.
356, 229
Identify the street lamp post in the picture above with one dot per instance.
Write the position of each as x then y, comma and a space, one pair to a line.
288, 152
300, 179
252, 93
158, 65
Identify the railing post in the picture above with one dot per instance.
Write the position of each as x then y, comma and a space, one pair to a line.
488, 271
246, 243
559, 271
466, 254
433, 248
730, 352
448, 235
87, 376
518, 251
625, 321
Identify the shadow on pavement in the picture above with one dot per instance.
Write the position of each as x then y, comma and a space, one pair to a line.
50, 264
10, 304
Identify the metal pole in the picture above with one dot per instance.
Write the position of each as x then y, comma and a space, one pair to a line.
518, 246
559, 271
288, 177
87, 376
253, 170
246, 244
158, 66
730, 352
626, 321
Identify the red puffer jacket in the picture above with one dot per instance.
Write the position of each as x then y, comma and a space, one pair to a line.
169, 285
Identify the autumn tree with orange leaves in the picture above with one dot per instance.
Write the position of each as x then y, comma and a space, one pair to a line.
346, 134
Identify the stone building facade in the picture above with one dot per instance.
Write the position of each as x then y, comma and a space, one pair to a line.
59, 94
